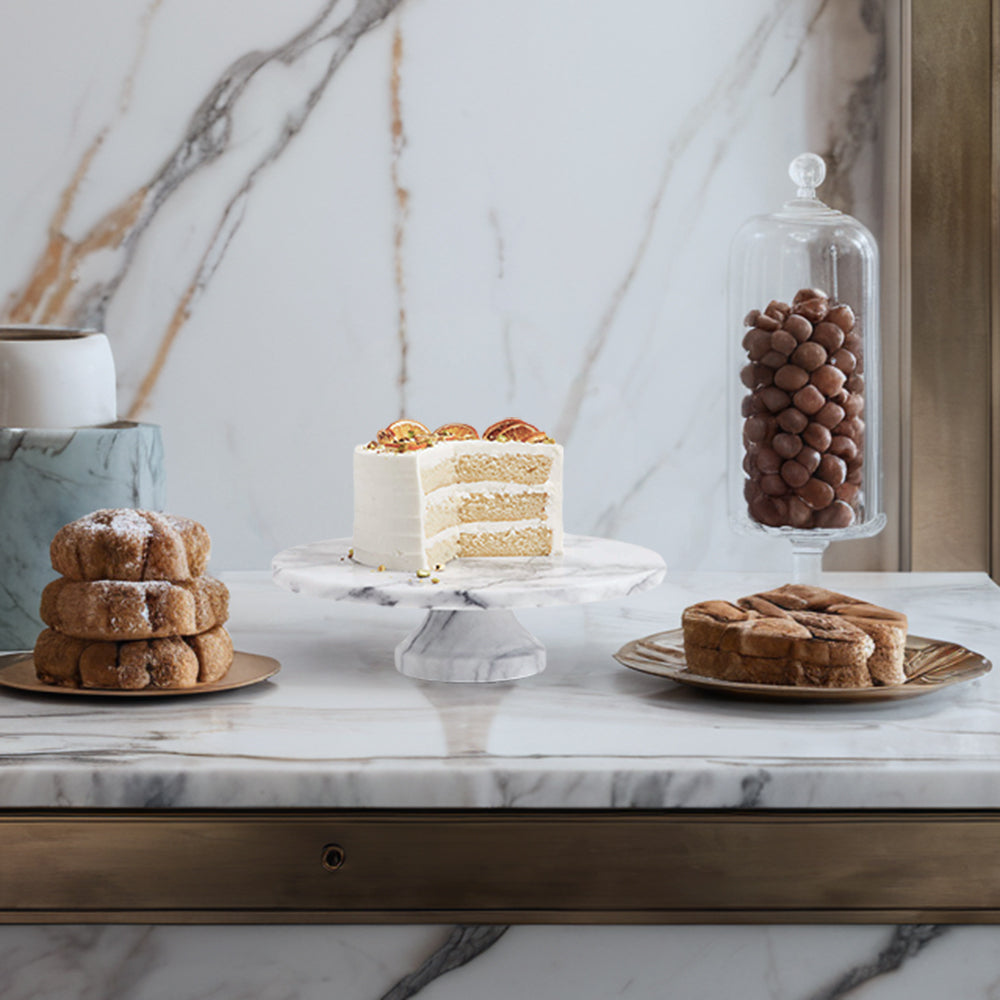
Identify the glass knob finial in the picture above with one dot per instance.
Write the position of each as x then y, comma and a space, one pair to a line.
807, 171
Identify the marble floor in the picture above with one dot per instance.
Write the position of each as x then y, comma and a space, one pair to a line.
495, 963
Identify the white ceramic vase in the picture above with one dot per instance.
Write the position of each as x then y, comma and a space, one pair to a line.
55, 377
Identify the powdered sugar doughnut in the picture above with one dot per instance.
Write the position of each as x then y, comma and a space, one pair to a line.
127, 544
173, 662
122, 610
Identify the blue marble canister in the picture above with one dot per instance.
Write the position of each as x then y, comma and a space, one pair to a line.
50, 477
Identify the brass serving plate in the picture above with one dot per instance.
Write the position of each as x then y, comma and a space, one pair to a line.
17, 670
930, 665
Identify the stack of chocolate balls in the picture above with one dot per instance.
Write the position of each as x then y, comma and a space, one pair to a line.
803, 431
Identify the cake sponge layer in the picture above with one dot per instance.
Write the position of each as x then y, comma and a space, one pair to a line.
533, 541
417, 509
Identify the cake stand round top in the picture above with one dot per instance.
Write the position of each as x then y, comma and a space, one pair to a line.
590, 569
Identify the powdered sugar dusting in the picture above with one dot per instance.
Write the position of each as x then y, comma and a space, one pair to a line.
124, 522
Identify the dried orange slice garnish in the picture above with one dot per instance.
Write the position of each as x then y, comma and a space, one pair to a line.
514, 430
539, 437
525, 433
457, 432
494, 430
402, 430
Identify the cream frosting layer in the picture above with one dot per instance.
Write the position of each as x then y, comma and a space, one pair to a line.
392, 499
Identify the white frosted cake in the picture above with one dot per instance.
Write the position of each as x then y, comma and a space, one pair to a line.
424, 497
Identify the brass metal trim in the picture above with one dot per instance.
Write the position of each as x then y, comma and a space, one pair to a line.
333, 857
995, 297
493, 866
953, 239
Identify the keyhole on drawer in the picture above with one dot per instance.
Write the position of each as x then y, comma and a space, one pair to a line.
332, 857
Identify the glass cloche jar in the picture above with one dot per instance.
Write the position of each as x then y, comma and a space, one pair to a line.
803, 313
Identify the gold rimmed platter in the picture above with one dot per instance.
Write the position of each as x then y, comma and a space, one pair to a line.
930, 665
17, 671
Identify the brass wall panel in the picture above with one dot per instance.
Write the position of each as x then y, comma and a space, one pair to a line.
995, 298
951, 282
500, 867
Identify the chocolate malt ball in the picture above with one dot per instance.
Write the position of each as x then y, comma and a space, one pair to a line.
837, 515
808, 458
791, 378
832, 469
829, 336
844, 360
803, 430
843, 316
800, 514
817, 436
768, 460
816, 493
799, 327
783, 342
787, 445
756, 343
829, 415
774, 398
809, 356
814, 310
809, 400
793, 421
828, 380
794, 474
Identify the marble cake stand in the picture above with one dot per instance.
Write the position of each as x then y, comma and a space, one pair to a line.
470, 632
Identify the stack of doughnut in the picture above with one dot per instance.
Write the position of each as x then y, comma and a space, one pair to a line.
133, 608
799, 635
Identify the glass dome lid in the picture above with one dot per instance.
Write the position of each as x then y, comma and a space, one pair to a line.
804, 350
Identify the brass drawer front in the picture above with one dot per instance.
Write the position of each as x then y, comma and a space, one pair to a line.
482, 865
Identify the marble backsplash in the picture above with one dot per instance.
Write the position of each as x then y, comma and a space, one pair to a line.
299, 221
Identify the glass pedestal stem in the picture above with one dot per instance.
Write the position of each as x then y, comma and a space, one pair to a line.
807, 559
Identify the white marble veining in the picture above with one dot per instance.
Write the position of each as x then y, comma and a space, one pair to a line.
297, 221
920, 962
457, 641
49, 477
339, 727
589, 569
470, 646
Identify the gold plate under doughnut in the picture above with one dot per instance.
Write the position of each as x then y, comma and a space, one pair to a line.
17, 670
930, 665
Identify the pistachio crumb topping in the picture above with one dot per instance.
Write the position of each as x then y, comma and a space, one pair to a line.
422, 573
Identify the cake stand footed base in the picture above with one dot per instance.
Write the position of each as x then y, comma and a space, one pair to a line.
470, 632
478, 645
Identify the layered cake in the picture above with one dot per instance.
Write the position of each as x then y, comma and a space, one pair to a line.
798, 635
422, 497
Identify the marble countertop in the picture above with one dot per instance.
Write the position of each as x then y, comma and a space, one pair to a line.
340, 728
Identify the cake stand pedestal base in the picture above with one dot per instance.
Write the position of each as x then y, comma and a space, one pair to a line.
470, 632
476, 645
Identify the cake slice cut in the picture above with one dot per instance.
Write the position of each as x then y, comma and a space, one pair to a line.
423, 498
